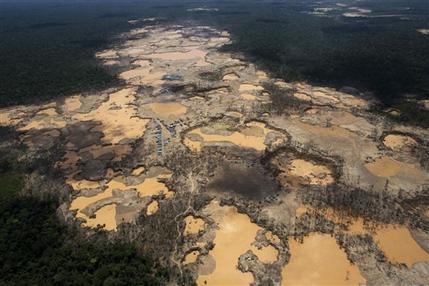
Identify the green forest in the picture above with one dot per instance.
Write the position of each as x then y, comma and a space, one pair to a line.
47, 50
37, 249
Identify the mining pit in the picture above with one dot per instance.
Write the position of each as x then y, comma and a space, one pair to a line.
190, 157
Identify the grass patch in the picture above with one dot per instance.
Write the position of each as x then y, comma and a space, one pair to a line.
10, 184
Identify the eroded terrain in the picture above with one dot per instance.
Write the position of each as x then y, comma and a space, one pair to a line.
196, 157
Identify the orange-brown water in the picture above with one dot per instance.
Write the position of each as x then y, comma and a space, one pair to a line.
399, 246
240, 138
105, 216
168, 109
319, 261
234, 236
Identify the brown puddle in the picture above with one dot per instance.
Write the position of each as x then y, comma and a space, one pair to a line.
251, 137
168, 109
105, 216
149, 187
395, 241
235, 234
399, 246
319, 261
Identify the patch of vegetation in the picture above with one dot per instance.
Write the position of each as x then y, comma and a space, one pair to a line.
283, 101
36, 249
11, 173
10, 184
48, 51
212, 76
412, 113
386, 56
379, 54
46, 25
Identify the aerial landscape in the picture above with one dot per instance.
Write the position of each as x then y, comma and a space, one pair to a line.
214, 142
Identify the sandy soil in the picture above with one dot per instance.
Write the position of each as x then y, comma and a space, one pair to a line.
152, 208
83, 184
248, 96
267, 254
333, 132
122, 121
272, 237
72, 104
180, 56
230, 77
248, 87
118, 117
302, 96
237, 138
387, 167
138, 171
149, 187
314, 174
193, 225
48, 112
43, 123
398, 142
191, 257
261, 75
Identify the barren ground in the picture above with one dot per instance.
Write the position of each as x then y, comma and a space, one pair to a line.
153, 151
